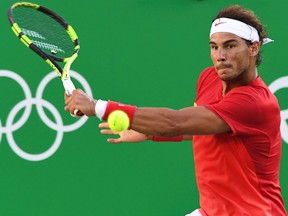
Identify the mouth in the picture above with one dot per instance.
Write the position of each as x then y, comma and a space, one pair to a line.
223, 67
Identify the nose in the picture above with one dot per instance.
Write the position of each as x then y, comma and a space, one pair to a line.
221, 56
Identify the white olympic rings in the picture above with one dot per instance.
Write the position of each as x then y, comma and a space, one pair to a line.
278, 84
40, 103
58, 126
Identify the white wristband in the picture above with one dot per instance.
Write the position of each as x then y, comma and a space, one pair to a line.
100, 108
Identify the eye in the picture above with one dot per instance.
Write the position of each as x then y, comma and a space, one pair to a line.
230, 46
213, 47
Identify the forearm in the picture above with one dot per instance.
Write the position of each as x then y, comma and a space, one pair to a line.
165, 122
161, 122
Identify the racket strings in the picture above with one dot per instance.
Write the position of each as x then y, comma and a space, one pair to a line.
44, 31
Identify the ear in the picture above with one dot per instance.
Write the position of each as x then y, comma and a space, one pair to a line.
254, 48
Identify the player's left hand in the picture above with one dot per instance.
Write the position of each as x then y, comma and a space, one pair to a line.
124, 136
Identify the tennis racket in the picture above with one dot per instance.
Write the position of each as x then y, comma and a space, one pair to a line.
49, 36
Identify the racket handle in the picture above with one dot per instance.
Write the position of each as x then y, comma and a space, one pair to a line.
68, 86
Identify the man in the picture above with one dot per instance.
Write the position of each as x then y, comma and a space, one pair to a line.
235, 123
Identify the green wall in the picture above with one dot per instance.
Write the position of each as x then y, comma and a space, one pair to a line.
141, 52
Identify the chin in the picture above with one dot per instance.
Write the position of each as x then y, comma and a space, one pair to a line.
225, 77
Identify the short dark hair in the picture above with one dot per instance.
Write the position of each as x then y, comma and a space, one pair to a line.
247, 16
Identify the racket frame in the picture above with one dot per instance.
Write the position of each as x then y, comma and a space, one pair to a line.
51, 60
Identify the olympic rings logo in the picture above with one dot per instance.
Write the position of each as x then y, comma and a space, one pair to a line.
40, 103
278, 84
58, 126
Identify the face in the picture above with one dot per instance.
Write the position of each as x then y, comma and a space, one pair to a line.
231, 56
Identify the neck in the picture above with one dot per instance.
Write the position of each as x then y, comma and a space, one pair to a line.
243, 80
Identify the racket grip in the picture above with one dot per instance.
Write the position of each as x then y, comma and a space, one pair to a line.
68, 86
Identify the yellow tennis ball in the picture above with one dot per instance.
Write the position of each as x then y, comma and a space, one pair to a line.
118, 121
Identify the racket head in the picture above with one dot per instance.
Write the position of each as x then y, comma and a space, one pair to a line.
46, 33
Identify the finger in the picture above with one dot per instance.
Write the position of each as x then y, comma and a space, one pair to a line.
103, 125
109, 132
67, 108
114, 141
68, 99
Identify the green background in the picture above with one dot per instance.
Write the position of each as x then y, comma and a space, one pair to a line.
141, 52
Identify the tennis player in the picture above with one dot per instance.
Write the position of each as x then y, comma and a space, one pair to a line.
235, 124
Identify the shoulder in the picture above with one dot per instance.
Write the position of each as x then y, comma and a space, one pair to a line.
259, 103
208, 74
256, 91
